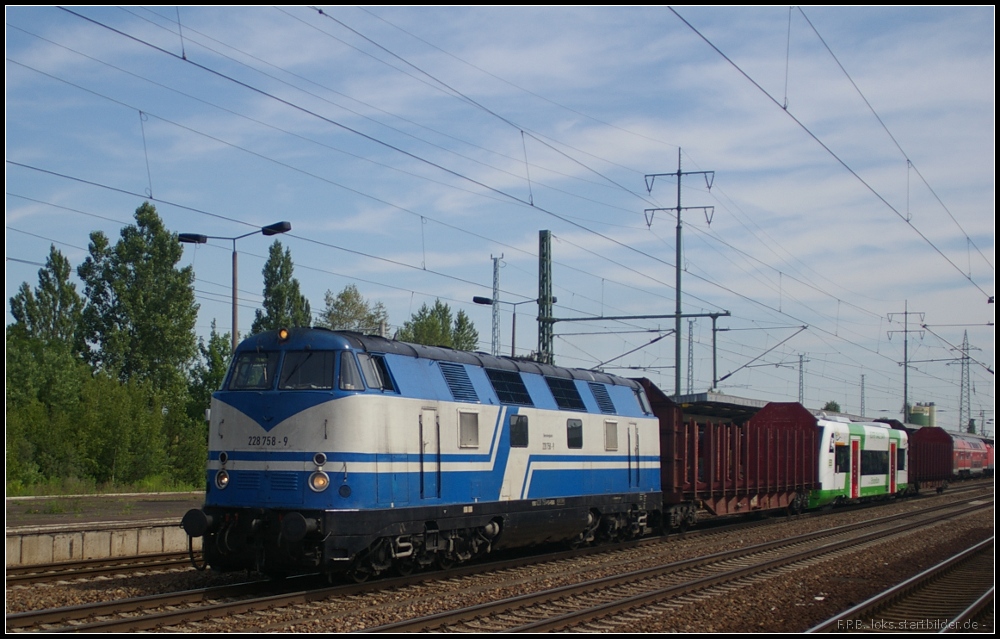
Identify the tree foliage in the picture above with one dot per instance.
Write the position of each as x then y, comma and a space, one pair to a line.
97, 390
832, 406
51, 312
284, 305
434, 326
140, 313
350, 311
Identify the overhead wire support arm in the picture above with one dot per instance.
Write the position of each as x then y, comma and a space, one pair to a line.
650, 179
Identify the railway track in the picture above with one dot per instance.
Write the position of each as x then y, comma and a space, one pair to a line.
192, 609
588, 606
62, 571
952, 596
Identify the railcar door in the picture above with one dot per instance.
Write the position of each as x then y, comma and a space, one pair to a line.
892, 468
430, 454
855, 468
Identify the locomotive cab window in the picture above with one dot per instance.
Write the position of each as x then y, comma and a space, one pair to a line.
519, 431
376, 372
254, 371
307, 370
350, 376
901, 459
574, 433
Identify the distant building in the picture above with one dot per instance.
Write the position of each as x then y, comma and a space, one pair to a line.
923, 414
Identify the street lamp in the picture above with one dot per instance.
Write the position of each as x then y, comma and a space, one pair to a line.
270, 229
487, 301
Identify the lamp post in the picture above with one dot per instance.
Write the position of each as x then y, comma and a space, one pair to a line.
270, 229
513, 324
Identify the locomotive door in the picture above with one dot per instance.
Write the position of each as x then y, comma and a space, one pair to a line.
430, 454
633, 456
855, 468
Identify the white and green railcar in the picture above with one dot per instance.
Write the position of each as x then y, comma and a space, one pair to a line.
859, 461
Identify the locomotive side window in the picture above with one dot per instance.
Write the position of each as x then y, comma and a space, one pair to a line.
509, 387
307, 370
574, 433
376, 372
350, 376
519, 431
610, 435
254, 371
901, 459
468, 430
565, 393
643, 401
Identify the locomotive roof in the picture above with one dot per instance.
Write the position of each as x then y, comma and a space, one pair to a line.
376, 344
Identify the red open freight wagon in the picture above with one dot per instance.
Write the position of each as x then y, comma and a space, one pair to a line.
766, 461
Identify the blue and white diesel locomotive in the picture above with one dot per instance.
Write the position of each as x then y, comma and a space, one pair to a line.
342, 453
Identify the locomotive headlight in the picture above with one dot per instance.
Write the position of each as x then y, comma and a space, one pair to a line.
319, 459
221, 479
319, 481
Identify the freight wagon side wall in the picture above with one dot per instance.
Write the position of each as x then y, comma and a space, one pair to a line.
727, 468
932, 456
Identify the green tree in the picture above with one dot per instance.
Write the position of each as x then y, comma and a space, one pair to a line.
284, 305
207, 374
140, 313
349, 311
832, 406
52, 311
434, 326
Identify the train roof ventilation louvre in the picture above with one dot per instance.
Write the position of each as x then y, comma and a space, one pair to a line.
509, 387
565, 393
458, 382
603, 398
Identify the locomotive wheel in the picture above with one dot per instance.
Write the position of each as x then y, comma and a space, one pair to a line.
445, 563
404, 567
360, 574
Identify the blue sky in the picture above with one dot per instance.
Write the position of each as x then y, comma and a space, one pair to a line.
409, 146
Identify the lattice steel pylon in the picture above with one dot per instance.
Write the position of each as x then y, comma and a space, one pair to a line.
690, 388
496, 306
964, 404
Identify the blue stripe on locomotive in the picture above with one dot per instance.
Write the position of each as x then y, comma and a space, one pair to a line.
284, 483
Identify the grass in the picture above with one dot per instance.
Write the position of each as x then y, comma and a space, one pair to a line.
74, 486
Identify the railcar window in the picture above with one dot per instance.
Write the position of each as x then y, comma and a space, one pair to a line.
574, 433
307, 370
376, 372
468, 430
842, 459
254, 371
350, 376
519, 431
610, 435
900, 459
874, 462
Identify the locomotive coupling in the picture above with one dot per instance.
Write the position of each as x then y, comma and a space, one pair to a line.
294, 527
197, 522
